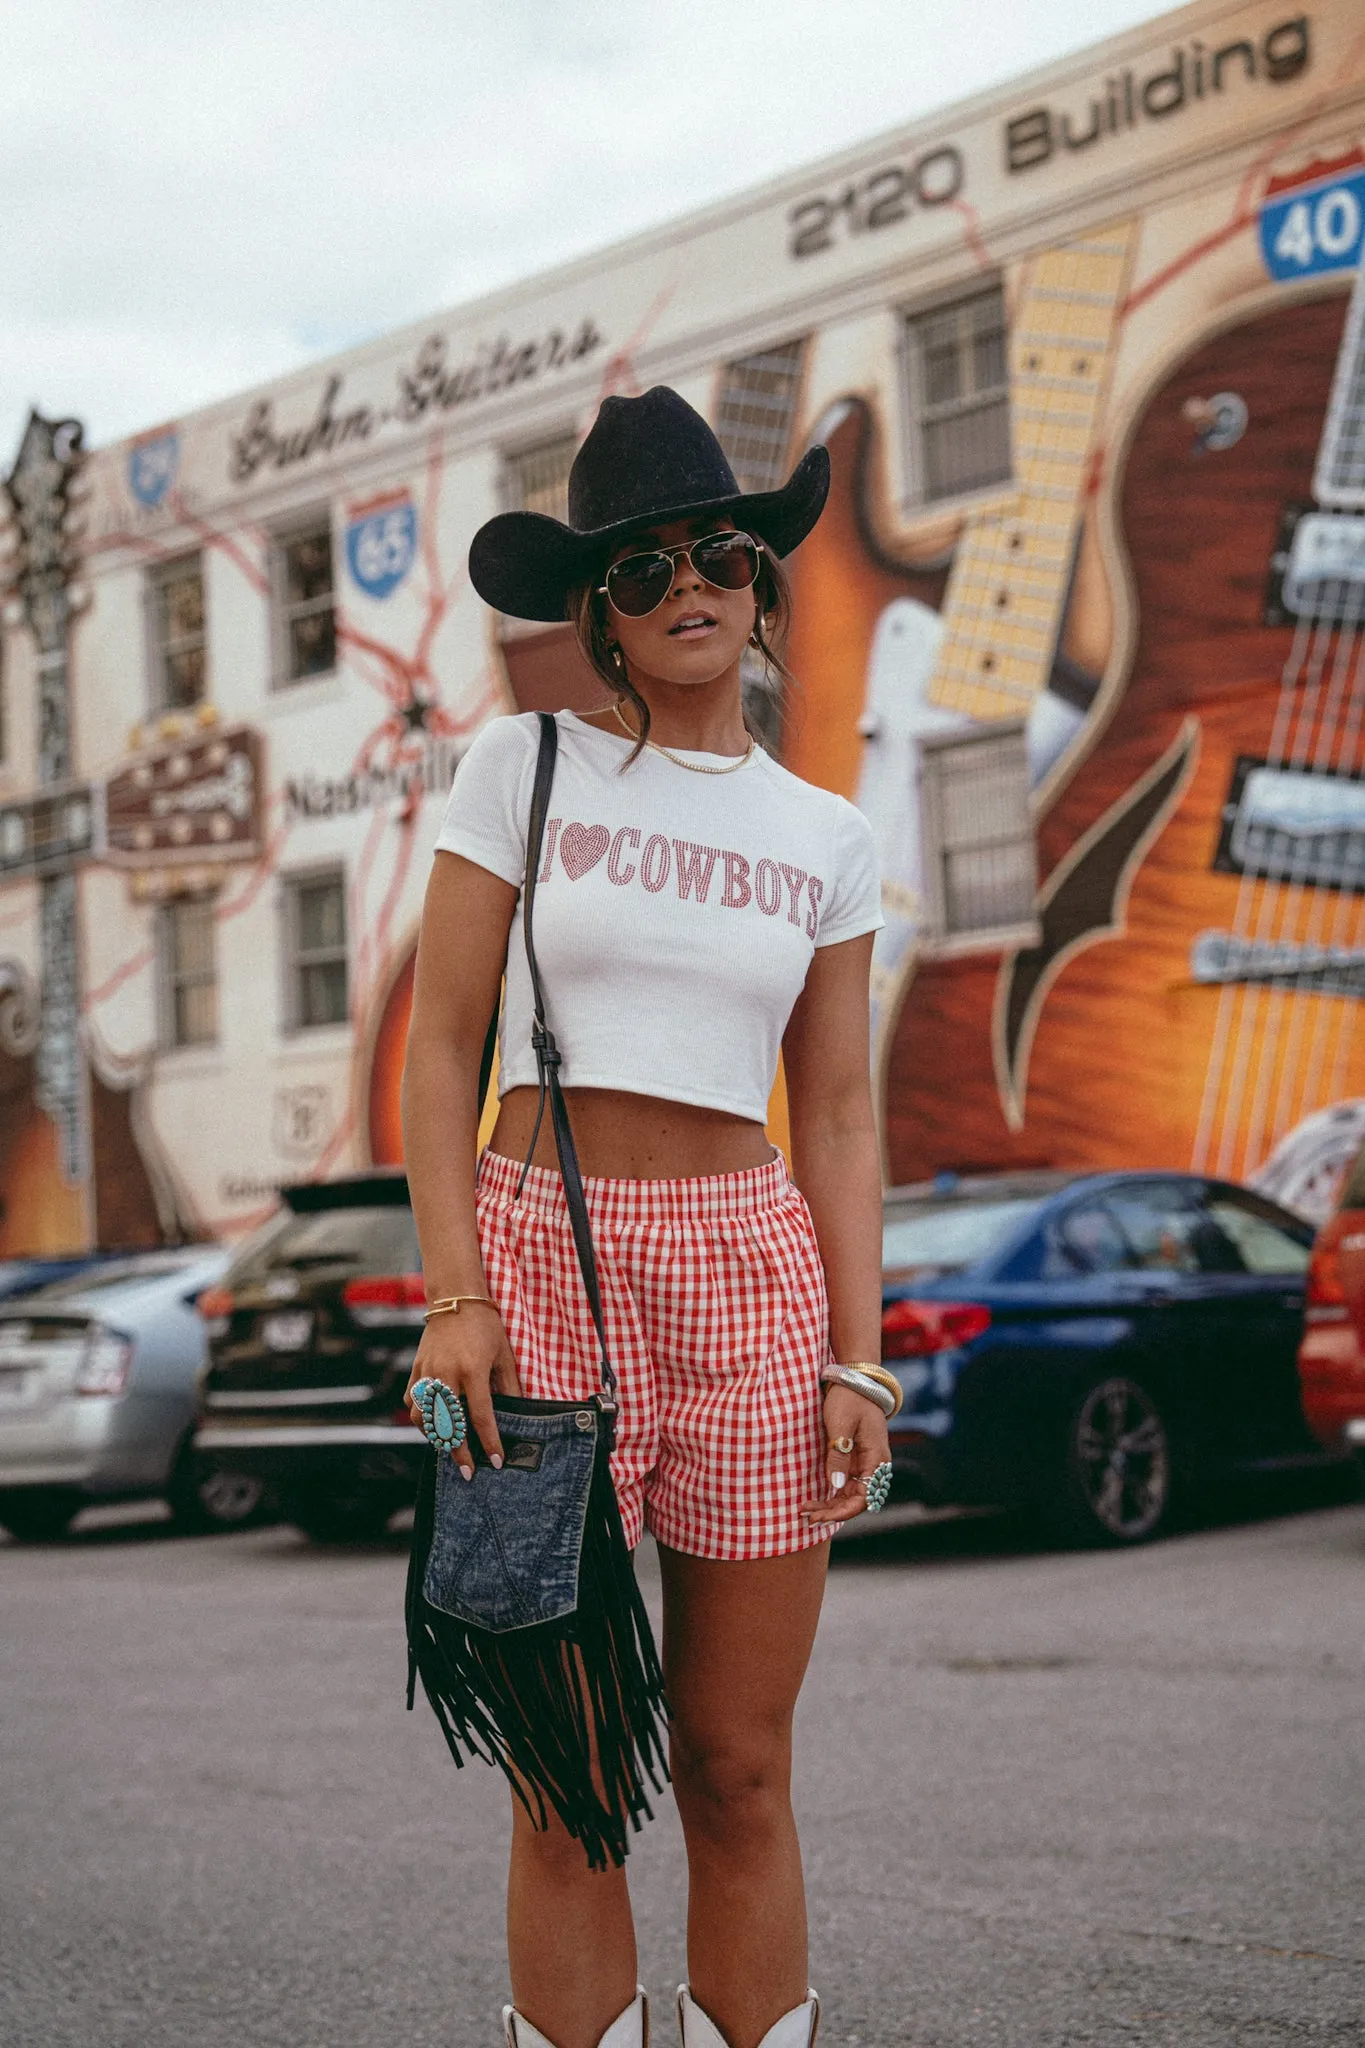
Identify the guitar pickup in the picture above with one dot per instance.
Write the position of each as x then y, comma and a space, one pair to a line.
1317, 568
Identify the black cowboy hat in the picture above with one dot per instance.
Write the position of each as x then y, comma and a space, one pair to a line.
646, 461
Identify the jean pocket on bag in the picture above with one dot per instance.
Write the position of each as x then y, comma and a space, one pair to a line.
505, 1547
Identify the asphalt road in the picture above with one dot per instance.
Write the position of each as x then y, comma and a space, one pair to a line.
1045, 1798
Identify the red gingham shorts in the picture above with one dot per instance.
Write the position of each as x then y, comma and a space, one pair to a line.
717, 1325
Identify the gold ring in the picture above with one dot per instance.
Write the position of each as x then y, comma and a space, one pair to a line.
843, 1445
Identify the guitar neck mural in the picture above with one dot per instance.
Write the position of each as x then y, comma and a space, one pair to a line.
1213, 836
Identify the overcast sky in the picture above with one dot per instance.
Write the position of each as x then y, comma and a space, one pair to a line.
196, 196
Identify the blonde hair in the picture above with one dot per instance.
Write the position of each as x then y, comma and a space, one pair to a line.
587, 612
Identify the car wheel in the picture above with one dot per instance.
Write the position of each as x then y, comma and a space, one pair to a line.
38, 1515
340, 1517
205, 1497
1119, 1471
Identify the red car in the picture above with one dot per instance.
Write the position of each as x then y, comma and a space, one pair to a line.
1332, 1350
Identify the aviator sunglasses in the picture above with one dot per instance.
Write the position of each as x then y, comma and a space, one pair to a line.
638, 584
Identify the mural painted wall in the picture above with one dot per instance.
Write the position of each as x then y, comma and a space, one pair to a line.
1104, 708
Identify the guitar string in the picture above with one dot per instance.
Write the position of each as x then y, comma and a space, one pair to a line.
1212, 1110
1348, 1021
1348, 910
1306, 692
1344, 448
1318, 937
1232, 1000
1336, 605
1297, 906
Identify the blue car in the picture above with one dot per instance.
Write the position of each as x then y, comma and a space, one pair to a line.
1091, 1345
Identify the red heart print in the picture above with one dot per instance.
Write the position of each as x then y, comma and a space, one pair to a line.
581, 847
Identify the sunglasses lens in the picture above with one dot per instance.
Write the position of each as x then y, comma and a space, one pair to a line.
727, 560
639, 584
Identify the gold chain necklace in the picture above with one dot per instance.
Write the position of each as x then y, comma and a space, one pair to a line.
695, 767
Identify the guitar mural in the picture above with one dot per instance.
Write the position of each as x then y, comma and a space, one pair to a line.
1213, 836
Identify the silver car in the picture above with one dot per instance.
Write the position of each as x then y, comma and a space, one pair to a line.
100, 1378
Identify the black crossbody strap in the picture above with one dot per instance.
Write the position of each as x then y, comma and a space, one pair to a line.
547, 1059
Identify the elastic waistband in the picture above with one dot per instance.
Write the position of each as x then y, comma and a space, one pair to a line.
700, 1198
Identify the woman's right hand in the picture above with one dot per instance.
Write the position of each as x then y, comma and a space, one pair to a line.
468, 1349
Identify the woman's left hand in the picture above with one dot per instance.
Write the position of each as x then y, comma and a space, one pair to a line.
849, 1416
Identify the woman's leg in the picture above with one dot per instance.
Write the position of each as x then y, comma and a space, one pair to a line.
570, 1937
737, 1638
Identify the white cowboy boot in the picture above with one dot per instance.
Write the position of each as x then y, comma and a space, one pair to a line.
629, 2030
795, 2029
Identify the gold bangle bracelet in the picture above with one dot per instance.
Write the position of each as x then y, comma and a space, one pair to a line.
882, 1377
451, 1304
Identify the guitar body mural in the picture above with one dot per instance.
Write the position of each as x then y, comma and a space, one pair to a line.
1119, 1038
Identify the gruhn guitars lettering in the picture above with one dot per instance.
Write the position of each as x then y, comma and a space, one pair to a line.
431, 385
770, 886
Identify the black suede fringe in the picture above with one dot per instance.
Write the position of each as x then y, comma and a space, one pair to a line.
573, 1711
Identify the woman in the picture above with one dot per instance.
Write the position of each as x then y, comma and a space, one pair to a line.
697, 908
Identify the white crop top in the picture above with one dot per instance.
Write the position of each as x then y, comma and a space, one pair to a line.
676, 914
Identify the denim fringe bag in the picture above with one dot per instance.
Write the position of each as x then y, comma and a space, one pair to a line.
524, 1618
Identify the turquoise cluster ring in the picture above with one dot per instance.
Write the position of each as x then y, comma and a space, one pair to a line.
878, 1486
442, 1415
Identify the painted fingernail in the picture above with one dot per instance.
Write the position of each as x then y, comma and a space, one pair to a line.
838, 1479
466, 1471
496, 1461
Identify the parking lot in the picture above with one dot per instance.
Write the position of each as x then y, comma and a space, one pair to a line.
1045, 1797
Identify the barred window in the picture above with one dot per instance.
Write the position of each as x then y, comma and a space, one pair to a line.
537, 479
188, 954
303, 591
315, 937
956, 367
980, 863
179, 646
757, 413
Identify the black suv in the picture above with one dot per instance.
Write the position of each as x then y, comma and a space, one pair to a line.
312, 1334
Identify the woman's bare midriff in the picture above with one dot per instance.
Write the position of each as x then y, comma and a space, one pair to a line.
633, 1137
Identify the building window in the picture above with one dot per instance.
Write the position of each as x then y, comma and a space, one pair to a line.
757, 413
316, 942
304, 593
957, 396
179, 643
187, 946
537, 479
980, 865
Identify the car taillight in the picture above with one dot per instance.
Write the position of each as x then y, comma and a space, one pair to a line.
215, 1305
105, 1362
1325, 1296
386, 1298
914, 1329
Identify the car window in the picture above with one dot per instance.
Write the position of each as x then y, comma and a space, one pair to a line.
1086, 1240
364, 1240
1353, 1190
1263, 1242
119, 1272
951, 1235
1164, 1227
